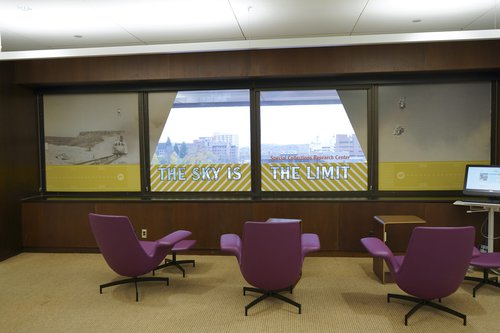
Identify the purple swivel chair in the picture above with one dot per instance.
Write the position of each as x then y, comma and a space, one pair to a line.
433, 267
270, 256
125, 253
486, 261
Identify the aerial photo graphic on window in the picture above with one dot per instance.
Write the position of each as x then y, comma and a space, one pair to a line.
91, 142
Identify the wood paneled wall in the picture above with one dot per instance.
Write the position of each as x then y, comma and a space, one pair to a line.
279, 63
18, 157
63, 226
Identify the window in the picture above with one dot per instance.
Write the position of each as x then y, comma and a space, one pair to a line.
306, 140
314, 140
200, 141
428, 133
91, 142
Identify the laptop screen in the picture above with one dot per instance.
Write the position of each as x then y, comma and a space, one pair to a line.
482, 180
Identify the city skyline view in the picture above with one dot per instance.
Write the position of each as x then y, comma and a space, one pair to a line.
224, 148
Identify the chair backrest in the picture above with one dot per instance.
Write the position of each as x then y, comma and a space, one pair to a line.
436, 261
118, 243
271, 256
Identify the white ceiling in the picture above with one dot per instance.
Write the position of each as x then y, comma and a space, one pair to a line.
188, 25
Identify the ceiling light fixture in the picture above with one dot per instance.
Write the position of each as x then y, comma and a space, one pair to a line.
24, 8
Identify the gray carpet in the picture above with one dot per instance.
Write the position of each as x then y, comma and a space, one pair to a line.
60, 293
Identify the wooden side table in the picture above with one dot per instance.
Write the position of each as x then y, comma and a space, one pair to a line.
275, 219
381, 222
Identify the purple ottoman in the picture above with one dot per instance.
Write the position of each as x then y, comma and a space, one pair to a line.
183, 245
486, 261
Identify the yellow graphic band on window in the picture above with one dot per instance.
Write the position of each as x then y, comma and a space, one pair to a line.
93, 178
421, 176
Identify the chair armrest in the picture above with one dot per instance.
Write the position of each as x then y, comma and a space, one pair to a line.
379, 249
376, 247
231, 243
310, 243
174, 237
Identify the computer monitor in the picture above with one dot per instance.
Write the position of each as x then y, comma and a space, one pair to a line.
482, 180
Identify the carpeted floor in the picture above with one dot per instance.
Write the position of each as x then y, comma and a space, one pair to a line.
60, 293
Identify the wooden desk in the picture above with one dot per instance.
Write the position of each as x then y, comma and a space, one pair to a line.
381, 222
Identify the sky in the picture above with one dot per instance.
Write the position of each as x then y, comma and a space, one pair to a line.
287, 124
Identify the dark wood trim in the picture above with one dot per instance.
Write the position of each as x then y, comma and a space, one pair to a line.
469, 56
18, 157
495, 123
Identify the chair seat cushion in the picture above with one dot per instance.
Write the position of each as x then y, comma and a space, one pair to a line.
487, 260
185, 244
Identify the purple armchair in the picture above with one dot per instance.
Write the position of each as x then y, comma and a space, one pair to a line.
127, 255
270, 256
434, 266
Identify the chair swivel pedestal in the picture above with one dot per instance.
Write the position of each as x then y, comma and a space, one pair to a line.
183, 245
266, 294
134, 280
486, 261
423, 302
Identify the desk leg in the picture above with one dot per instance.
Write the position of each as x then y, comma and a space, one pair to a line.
378, 263
378, 268
491, 228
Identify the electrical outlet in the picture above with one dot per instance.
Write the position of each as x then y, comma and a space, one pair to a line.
144, 233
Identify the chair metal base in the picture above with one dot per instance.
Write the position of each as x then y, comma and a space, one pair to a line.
270, 293
134, 280
493, 281
176, 263
421, 302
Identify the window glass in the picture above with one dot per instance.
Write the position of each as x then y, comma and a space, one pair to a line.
91, 142
200, 141
429, 132
314, 140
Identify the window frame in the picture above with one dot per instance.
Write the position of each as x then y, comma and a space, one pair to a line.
255, 86
316, 194
203, 193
